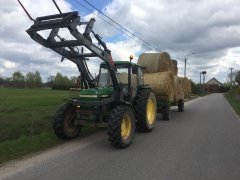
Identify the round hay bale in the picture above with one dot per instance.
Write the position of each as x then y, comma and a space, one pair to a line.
189, 87
174, 67
178, 90
185, 86
155, 62
161, 84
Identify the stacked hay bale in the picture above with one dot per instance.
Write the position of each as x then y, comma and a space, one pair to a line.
174, 68
186, 86
160, 73
161, 83
189, 87
179, 94
155, 62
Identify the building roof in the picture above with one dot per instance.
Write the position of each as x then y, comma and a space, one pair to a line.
214, 81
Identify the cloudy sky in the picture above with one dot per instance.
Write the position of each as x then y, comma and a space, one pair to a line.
209, 28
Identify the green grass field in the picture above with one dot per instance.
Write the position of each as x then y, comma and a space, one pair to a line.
27, 111
234, 99
26, 120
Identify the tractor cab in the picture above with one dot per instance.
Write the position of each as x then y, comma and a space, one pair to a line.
129, 76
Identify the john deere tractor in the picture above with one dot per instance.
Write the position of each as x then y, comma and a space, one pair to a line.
117, 98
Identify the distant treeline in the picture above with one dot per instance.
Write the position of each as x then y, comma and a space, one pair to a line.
34, 80
61, 82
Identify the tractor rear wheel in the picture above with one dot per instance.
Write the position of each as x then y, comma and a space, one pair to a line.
63, 123
181, 105
146, 110
121, 126
166, 113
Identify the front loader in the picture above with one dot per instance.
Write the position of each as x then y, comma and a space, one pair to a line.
116, 99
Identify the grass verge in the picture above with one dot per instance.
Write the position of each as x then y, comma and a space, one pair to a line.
26, 121
233, 99
24, 145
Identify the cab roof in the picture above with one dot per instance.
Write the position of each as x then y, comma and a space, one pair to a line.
121, 62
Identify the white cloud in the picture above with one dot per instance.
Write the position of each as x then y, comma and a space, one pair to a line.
9, 64
123, 49
210, 28
18, 51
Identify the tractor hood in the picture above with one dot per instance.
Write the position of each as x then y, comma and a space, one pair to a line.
103, 92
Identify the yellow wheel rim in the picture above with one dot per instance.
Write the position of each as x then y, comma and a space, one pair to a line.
151, 111
126, 126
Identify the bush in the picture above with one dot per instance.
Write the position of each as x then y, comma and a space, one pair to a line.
224, 89
61, 87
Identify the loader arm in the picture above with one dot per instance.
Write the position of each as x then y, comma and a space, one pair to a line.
70, 48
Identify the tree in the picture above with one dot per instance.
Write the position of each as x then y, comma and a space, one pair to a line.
233, 78
67, 81
30, 83
62, 82
18, 79
37, 79
237, 78
1, 80
58, 79
196, 88
33, 80
50, 81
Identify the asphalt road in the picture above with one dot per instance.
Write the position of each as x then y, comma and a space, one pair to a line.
201, 143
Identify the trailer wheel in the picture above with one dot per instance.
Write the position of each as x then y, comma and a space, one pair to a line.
181, 105
146, 110
63, 123
121, 126
166, 113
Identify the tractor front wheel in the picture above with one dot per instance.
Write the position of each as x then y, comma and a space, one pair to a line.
121, 126
63, 123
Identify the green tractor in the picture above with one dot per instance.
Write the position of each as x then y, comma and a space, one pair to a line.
116, 99
99, 105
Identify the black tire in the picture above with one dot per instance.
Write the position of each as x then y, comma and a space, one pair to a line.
166, 113
146, 113
121, 126
181, 105
63, 123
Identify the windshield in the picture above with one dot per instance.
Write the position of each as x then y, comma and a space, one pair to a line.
105, 78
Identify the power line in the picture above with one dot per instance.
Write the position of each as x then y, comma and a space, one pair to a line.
120, 30
98, 16
122, 26
153, 47
125, 30
140, 40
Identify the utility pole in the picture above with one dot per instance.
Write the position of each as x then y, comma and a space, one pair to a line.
200, 85
203, 83
185, 63
231, 77
203, 74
